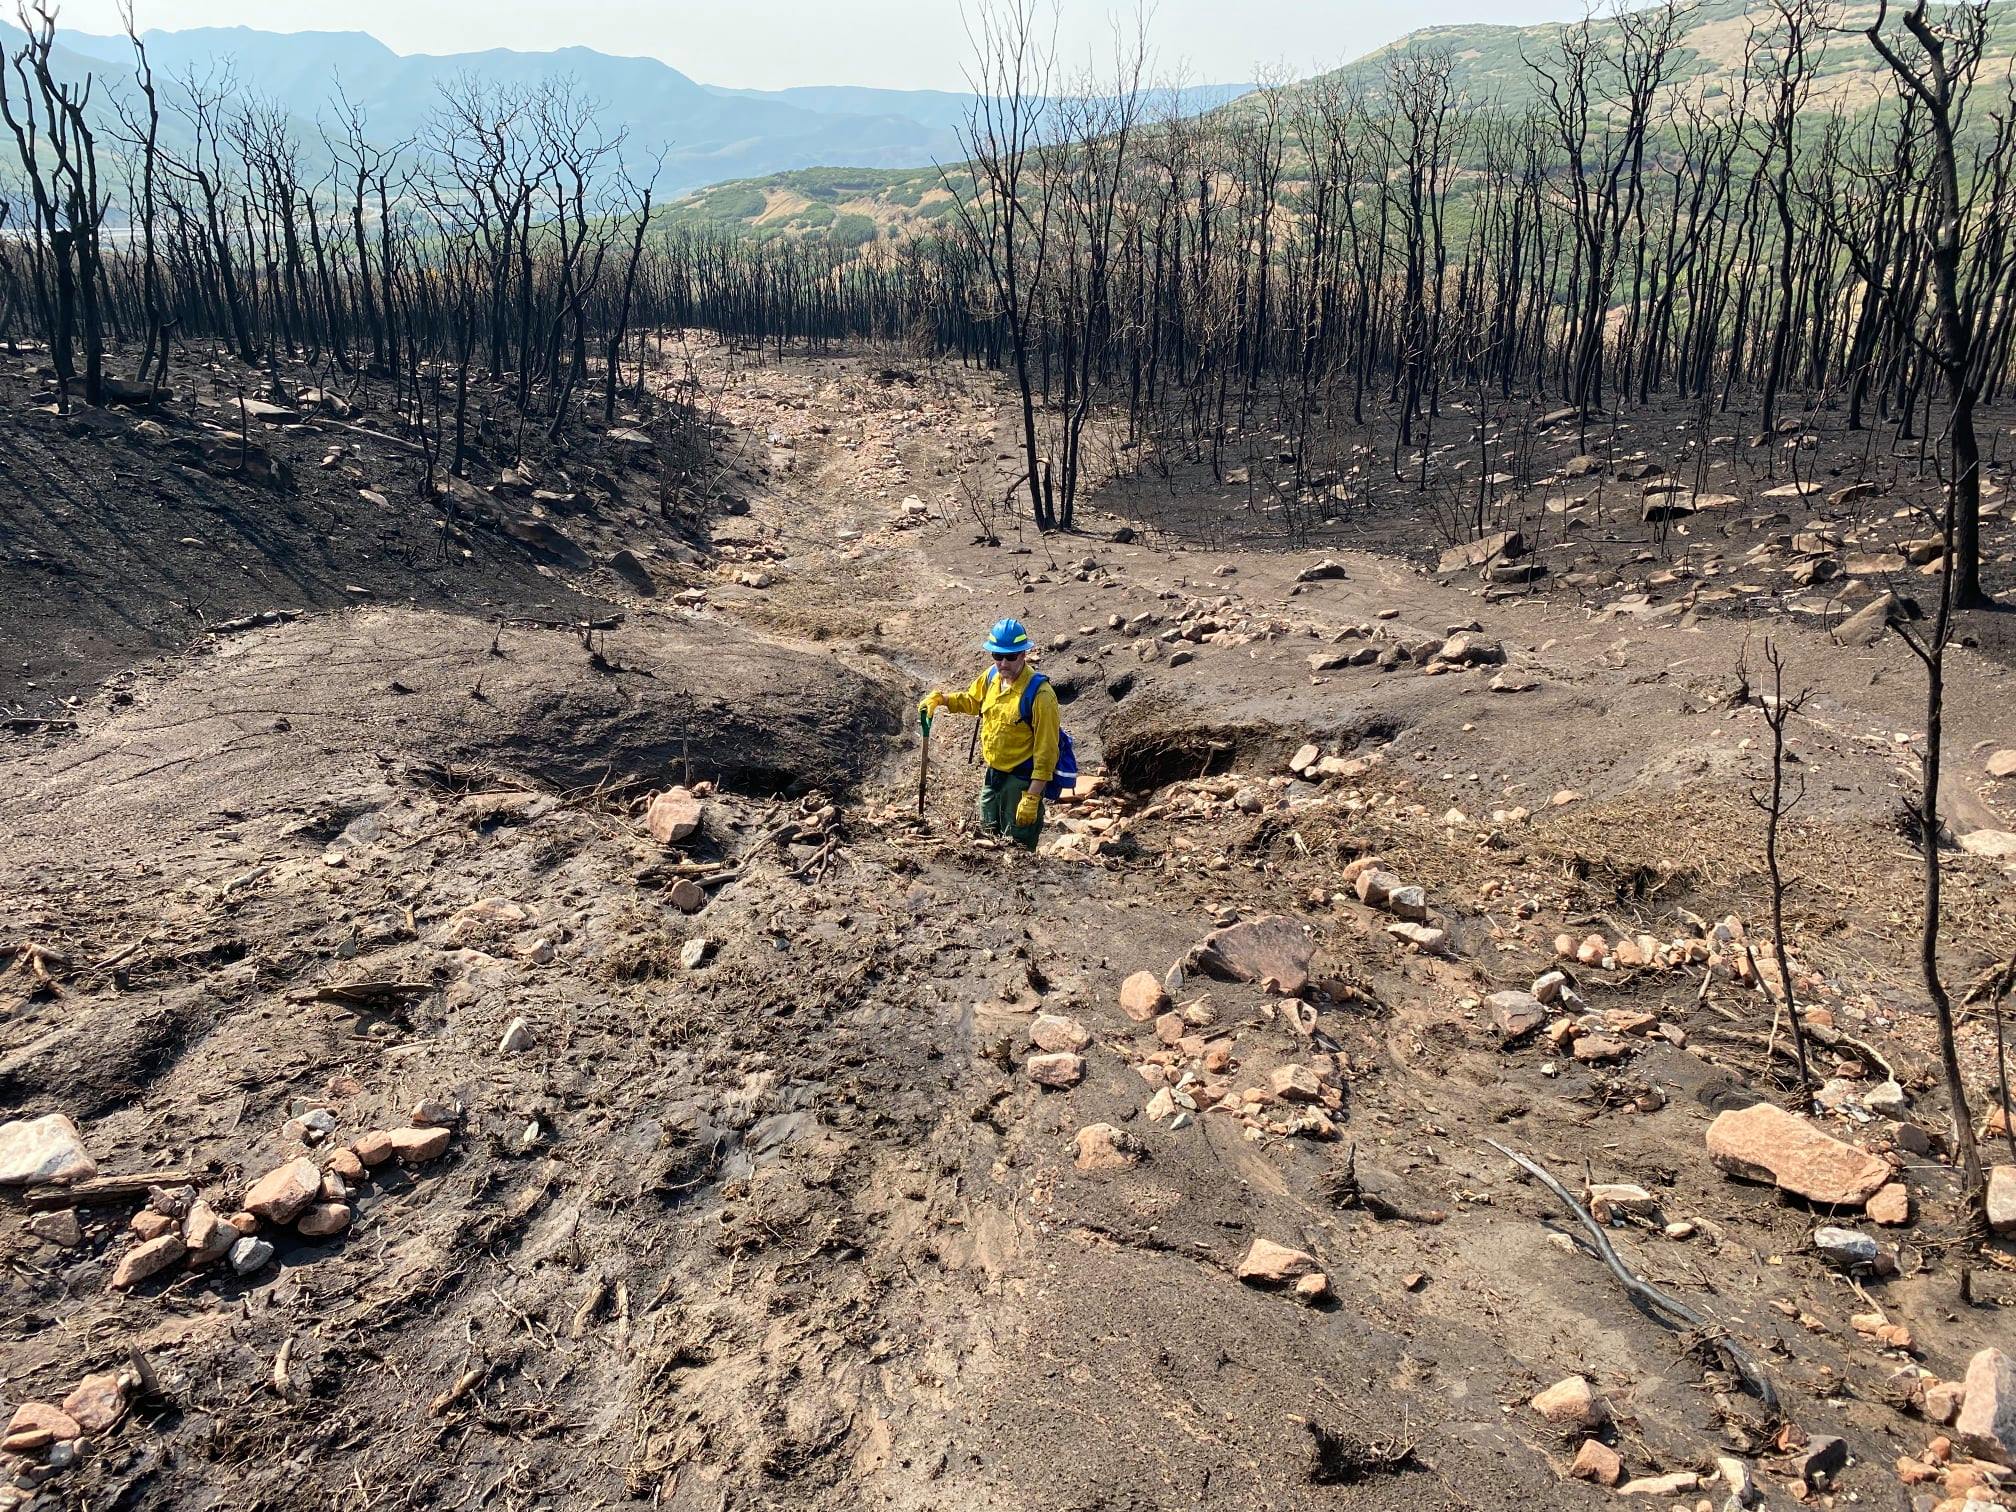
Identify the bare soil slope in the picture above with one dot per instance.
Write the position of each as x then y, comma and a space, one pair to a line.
763, 1204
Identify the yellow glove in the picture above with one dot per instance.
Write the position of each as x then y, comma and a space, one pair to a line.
1030, 809
930, 703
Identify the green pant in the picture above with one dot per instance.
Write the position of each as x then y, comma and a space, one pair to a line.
998, 797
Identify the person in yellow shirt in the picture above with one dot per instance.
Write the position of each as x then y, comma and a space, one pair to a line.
1018, 733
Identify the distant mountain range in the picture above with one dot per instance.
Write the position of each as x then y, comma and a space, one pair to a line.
707, 133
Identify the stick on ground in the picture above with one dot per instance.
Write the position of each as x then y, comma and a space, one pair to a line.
1755, 1381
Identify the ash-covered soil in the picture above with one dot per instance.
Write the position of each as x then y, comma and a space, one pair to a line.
804, 1151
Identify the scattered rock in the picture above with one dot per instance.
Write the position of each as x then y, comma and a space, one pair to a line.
694, 953
1062, 1069
96, 1402
686, 895
1847, 1248
1421, 936
1891, 1206
1142, 997
1824, 1457
206, 1233
1986, 1426
1272, 951
1763, 1142
2002, 764
1597, 1461
517, 1036
1516, 1014
1295, 1082
1736, 1476
1101, 1147
1597, 1049
415, 1146
36, 1425
1266, 1263
1505, 544
324, 1219
249, 1255
1322, 570
1866, 625
373, 1149
60, 1228
1661, 1485
1943, 1401
2002, 1198
279, 1195
1608, 1199
144, 1260
674, 815
148, 1224
1572, 1403
46, 1149
1054, 1032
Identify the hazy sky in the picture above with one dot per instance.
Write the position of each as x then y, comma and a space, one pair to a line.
900, 44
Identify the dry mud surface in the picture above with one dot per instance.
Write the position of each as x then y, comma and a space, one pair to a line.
759, 1205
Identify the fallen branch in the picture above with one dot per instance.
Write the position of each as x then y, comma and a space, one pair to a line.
1752, 1375
102, 1191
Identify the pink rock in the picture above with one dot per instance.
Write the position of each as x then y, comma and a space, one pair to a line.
324, 1219
1986, 1426
1572, 1403
1101, 1147
35, 1150
674, 815
1060, 1070
1266, 1263
1142, 997
1891, 1206
1765, 1143
96, 1402
1295, 1083
149, 1259
279, 1195
1597, 1461
417, 1146
1051, 1031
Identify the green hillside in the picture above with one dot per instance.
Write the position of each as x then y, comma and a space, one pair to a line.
1491, 64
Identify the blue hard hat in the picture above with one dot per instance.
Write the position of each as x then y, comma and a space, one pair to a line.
1009, 637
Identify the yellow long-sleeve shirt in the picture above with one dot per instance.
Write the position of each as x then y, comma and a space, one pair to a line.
1005, 741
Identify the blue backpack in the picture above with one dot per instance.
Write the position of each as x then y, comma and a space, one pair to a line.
1066, 776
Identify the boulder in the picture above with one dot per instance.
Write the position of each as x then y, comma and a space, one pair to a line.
36, 1150
1266, 1263
279, 1195
1486, 549
2002, 764
628, 566
1572, 1403
674, 815
1272, 951
1763, 1142
1866, 625
1986, 1426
